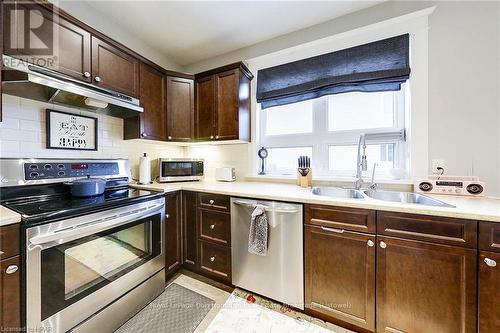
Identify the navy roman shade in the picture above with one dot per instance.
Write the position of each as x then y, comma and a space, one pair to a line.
378, 66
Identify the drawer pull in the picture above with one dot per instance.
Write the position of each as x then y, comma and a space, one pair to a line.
490, 262
383, 245
212, 259
338, 231
167, 216
11, 269
370, 243
212, 226
211, 201
1, 252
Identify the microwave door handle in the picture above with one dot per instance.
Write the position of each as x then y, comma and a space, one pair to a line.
88, 228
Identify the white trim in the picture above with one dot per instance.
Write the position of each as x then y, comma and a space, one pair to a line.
416, 24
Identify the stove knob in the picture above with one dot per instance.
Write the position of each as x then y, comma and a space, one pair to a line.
61, 173
34, 175
425, 186
475, 189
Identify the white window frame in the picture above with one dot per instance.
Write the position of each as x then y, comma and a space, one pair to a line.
320, 139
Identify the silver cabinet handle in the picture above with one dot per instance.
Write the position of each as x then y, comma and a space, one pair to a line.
211, 202
86, 74
212, 259
383, 245
211, 137
338, 231
216, 137
144, 135
212, 226
11, 269
97, 79
169, 137
167, 216
370, 243
490, 262
1, 253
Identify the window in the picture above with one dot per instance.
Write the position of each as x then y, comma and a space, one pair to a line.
327, 129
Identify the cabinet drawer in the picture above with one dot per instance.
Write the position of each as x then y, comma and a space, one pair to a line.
9, 241
215, 259
215, 226
442, 230
489, 236
340, 218
214, 201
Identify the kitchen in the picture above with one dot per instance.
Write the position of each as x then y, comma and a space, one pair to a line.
334, 169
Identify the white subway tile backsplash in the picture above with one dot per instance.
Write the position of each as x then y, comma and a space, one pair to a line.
22, 134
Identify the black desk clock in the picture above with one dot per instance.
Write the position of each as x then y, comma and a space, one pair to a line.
263, 155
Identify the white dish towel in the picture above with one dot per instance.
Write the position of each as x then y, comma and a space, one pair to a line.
257, 238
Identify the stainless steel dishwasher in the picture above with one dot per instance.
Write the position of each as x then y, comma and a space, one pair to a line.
280, 274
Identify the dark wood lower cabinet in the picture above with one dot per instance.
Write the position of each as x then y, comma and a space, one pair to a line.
10, 294
424, 287
189, 220
340, 275
489, 292
173, 250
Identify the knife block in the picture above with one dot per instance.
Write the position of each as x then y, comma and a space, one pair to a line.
304, 181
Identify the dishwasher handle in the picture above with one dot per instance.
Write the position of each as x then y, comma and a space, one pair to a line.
283, 208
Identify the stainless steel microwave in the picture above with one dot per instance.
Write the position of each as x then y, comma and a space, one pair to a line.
180, 169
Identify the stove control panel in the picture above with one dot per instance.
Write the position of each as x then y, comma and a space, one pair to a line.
33, 171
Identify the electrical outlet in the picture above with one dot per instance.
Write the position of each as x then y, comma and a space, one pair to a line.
437, 163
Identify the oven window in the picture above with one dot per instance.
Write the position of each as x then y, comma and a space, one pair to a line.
73, 270
172, 169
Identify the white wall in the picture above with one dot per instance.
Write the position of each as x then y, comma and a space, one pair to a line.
90, 16
22, 135
464, 78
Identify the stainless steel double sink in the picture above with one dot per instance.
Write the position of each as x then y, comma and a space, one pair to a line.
391, 196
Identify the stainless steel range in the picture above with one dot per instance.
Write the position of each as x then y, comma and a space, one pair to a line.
89, 263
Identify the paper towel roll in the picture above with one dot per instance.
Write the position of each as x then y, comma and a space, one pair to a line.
144, 169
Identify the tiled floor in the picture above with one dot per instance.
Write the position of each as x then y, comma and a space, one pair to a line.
232, 313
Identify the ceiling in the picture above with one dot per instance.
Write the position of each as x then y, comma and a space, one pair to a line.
188, 31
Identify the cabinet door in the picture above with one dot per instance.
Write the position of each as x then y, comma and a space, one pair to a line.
70, 43
180, 109
189, 226
153, 121
423, 287
114, 69
10, 293
489, 292
173, 251
205, 108
340, 275
227, 105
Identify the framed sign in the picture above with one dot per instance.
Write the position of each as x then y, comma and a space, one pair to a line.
71, 131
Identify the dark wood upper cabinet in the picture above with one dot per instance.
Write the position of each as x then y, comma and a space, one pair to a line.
114, 69
489, 292
424, 287
340, 275
189, 220
71, 44
205, 108
223, 103
180, 109
152, 123
173, 250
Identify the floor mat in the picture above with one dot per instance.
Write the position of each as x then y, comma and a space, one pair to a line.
176, 310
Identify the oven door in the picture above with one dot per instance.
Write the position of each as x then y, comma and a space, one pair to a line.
78, 266
172, 170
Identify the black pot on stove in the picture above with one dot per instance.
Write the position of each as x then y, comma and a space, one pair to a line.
87, 187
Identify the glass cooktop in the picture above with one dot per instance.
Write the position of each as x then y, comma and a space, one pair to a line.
45, 208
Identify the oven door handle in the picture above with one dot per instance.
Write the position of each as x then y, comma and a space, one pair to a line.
94, 226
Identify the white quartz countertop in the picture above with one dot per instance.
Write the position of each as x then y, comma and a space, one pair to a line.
484, 209
8, 216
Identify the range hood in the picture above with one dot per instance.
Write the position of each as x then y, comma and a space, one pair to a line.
20, 78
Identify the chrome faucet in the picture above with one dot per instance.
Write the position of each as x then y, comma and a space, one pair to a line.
361, 162
373, 185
